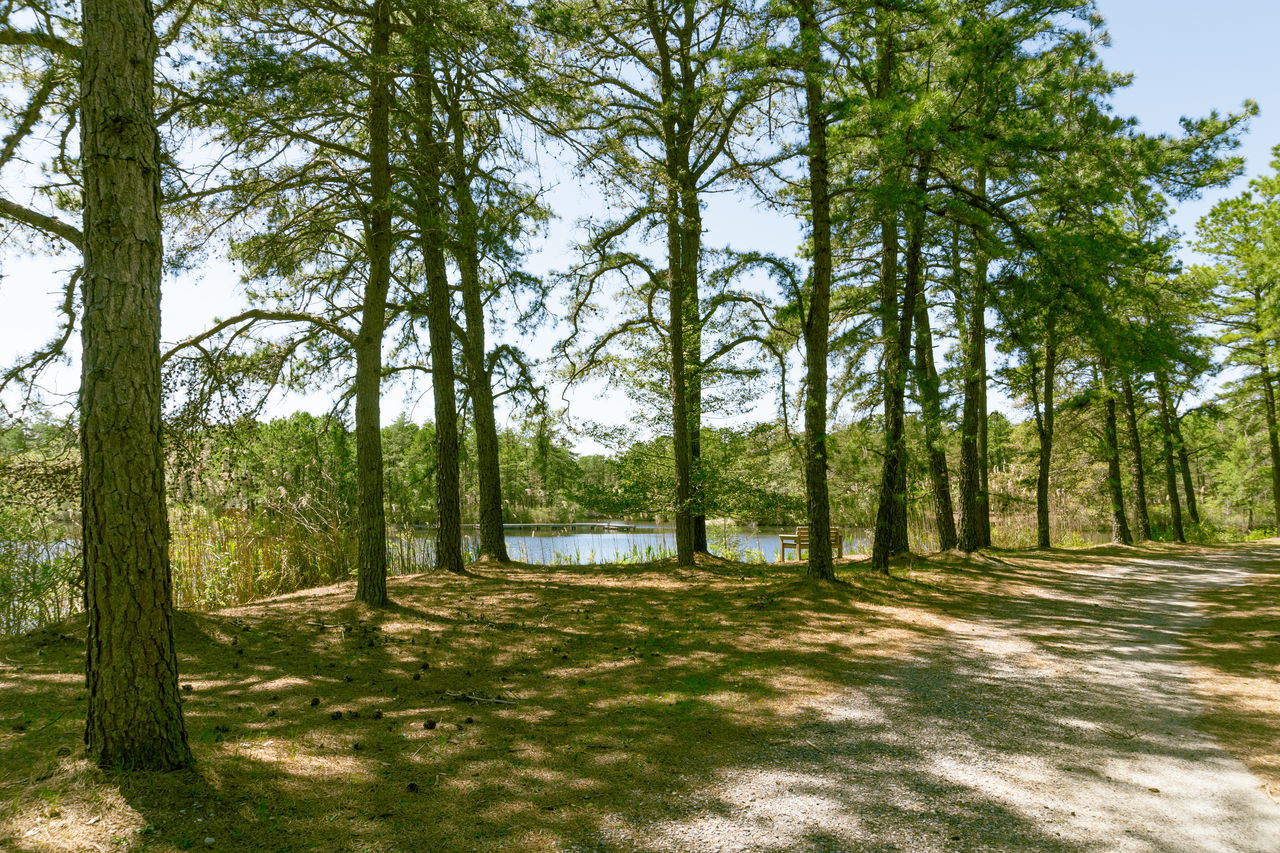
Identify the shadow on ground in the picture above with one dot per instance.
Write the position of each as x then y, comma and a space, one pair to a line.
645, 708
1236, 656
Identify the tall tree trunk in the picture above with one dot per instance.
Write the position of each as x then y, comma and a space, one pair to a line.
675, 135
690, 258
371, 577
1111, 449
891, 515
493, 540
817, 323
1141, 516
1273, 433
883, 541
134, 714
980, 263
975, 519
488, 466
430, 215
679, 393
1166, 436
1184, 463
1044, 429
984, 456
930, 388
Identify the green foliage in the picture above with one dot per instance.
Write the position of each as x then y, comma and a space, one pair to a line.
749, 474
39, 537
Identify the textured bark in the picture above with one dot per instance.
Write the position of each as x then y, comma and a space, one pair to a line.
371, 578
1273, 434
1166, 438
980, 263
984, 457
930, 388
1111, 450
975, 521
1045, 413
429, 212
493, 540
817, 323
1141, 517
134, 714
676, 128
891, 514
690, 254
679, 397
1184, 464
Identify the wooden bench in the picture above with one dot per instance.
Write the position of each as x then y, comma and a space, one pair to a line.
799, 541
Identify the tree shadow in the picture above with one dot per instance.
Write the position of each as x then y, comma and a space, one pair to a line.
641, 707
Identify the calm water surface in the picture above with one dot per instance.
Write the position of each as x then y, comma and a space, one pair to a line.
584, 543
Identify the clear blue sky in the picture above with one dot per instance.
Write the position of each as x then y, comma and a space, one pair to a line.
1187, 57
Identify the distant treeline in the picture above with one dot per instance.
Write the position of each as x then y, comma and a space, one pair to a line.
259, 508
304, 465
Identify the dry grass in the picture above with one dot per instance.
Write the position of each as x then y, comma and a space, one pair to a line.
562, 699
566, 701
1236, 659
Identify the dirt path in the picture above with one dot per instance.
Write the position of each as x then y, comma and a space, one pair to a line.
1059, 720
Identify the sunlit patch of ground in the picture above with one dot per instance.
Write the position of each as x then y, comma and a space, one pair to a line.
1236, 657
516, 708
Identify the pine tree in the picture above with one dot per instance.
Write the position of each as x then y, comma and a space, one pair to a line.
134, 714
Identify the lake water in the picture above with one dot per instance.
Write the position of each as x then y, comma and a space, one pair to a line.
613, 542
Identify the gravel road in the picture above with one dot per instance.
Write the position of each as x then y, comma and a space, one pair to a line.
1060, 720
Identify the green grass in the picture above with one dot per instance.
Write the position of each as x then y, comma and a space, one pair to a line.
563, 698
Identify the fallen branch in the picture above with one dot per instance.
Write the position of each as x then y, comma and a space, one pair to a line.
470, 697
52, 721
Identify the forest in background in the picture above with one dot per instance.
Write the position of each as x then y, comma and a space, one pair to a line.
373, 171
261, 508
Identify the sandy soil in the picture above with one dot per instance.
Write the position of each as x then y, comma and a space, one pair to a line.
1060, 719
1008, 702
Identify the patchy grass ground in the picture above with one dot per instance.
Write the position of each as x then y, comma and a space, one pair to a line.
1236, 656
518, 708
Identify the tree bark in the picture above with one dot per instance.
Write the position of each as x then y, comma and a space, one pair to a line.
1141, 516
690, 256
930, 388
1171, 477
891, 514
679, 393
884, 544
675, 132
1044, 429
134, 713
1111, 449
1273, 433
429, 213
975, 521
1184, 463
980, 264
817, 323
493, 540
371, 537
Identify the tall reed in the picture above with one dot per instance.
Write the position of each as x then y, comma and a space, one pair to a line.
233, 557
